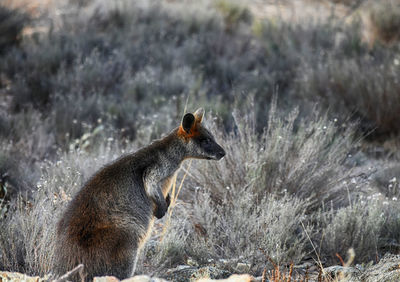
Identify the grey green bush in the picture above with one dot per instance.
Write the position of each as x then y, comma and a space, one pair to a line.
108, 79
230, 209
12, 22
385, 18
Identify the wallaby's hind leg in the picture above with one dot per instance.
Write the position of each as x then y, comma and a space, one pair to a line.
121, 269
127, 269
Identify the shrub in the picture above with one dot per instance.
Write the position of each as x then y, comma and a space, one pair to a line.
109, 75
389, 240
12, 22
370, 225
32, 69
385, 19
239, 229
261, 196
304, 160
15, 176
233, 14
28, 231
176, 54
366, 86
356, 226
231, 211
388, 181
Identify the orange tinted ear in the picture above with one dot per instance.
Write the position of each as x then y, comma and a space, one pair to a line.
188, 128
188, 122
199, 115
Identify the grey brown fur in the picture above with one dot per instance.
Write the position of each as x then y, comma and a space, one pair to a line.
110, 218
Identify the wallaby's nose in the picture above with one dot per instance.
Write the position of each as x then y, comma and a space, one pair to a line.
221, 154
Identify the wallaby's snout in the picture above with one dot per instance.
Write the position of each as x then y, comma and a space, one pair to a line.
221, 153
215, 152
208, 148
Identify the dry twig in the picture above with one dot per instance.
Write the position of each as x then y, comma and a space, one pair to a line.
66, 276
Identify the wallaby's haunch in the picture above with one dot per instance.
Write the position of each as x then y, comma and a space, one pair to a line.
109, 219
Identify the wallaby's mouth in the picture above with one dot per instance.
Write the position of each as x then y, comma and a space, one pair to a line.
213, 158
220, 155
216, 157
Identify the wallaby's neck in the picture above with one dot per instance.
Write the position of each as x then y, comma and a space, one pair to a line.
170, 152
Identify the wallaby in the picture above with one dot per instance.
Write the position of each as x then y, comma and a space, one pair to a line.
108, 221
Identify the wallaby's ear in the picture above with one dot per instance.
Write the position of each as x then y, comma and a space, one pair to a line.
187, 122
199, 115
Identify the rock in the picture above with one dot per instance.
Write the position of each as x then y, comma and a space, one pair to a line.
210, 272
223, 261
387, 269
144, 278
181, 267
138, 278
15, 276
188, 273
192, 262
232, 278
345, 273
243, 267
105, 279
180, 273
305, 265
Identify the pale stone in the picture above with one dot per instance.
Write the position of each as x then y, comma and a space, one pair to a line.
15, 276
232, 278
105, 279
143, 278
243, 267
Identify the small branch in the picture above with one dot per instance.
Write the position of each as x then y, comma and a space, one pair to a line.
67, 275
264, 275
340, 258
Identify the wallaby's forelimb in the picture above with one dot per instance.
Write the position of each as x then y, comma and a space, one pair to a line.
153, 189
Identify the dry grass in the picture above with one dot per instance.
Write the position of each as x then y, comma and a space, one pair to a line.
227, 212
83, 94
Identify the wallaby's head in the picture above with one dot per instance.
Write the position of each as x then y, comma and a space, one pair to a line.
199, 142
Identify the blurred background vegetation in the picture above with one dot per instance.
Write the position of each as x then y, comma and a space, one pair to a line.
304, 95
